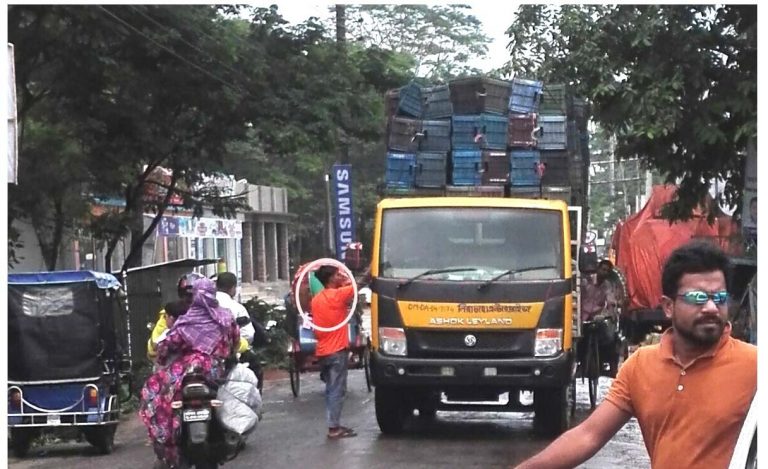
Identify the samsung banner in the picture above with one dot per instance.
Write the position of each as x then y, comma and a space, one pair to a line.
341, 200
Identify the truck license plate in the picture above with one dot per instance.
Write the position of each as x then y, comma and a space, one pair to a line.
54, 420
196, 415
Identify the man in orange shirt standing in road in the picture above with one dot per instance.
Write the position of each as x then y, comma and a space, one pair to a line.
329, 308
690, 393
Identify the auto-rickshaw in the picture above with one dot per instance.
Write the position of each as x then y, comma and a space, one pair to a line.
68, 354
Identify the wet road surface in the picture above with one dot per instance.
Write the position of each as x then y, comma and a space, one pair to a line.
292, 434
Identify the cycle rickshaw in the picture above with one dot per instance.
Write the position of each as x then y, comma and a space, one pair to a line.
601, 344
301, 352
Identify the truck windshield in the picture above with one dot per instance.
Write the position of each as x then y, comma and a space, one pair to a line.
480, 243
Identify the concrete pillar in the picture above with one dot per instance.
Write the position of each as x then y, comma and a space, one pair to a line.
247, 253
271, 251
283, 259
261, 256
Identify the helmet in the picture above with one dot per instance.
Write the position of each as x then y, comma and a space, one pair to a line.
187, 282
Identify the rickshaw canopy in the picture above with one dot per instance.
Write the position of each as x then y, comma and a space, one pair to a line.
62, 326
102, 280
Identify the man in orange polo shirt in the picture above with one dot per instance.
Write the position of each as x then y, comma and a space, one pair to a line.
329, 308
691, 392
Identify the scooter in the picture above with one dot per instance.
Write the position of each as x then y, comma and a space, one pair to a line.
205, 443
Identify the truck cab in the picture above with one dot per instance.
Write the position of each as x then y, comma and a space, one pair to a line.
472, 303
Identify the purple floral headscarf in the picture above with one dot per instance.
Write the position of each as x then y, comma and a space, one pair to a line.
205, 323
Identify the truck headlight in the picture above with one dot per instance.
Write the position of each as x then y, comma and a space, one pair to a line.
548, 342
393, 341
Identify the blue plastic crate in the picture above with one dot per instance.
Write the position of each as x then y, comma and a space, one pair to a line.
400, 170
524, 96
553, 134
522, 164
466, 167
437, 102
411, 100
431, 169
478, 132
435, 135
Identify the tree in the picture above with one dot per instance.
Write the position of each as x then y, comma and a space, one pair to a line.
676, 84
440, 38
128, 81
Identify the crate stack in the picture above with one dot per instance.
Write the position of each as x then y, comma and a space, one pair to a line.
481, 135
404, 126
479, 132
523, 125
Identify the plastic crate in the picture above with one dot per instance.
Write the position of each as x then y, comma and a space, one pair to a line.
411, 101
431, 169
495, 168
437, 102
552, 135
477, 132
435, 135
557, 168
554, 100
520, 132
403, 134
524, 96
400, 170
522, 165
466, 166
478, 95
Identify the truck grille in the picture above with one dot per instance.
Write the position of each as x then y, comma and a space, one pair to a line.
451, 344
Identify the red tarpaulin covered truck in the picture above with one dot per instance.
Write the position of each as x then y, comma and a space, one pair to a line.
641, 245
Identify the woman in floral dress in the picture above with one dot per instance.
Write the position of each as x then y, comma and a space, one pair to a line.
204, 337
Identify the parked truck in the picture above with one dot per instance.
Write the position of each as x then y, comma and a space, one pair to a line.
474, 300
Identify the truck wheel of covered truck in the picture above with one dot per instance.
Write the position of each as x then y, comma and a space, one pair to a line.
552, 410
391, 410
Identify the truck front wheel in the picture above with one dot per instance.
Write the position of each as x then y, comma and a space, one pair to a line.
552, 410
391, 410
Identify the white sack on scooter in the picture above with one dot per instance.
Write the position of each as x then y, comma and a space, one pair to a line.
241, 400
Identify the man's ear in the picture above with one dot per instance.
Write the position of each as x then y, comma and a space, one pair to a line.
667, 305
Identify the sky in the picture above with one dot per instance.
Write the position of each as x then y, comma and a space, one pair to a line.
495, 20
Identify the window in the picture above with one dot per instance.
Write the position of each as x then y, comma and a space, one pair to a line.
487, 241
49, 301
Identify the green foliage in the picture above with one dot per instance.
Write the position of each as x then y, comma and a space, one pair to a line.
676, 84
276, 352
439, 39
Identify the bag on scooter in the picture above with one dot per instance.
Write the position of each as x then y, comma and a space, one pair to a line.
241, 400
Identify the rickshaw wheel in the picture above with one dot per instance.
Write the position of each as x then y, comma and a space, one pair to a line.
366, 360
103, 438
21, 441
293, 372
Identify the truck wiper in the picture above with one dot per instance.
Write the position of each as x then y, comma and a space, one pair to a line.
434, 271
513, 271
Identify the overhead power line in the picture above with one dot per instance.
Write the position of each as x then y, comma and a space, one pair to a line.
172, 52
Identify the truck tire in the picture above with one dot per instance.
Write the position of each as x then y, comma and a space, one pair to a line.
391, 410
552, 411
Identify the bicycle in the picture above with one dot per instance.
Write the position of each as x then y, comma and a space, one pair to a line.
591, 363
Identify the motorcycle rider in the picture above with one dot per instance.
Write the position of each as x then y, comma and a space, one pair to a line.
184, 292
252, 334
204, 338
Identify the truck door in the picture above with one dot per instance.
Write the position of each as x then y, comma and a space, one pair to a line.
574, 215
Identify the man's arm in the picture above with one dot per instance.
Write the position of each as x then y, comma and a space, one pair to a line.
582, 442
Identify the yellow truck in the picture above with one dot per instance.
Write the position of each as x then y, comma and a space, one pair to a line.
473, 304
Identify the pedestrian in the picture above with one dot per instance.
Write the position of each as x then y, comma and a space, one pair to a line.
330, 307
690, 393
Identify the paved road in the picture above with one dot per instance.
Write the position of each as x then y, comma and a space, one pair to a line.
292, 434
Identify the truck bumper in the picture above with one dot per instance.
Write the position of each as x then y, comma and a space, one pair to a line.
515, 373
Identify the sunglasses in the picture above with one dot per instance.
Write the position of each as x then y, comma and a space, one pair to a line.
700, 297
